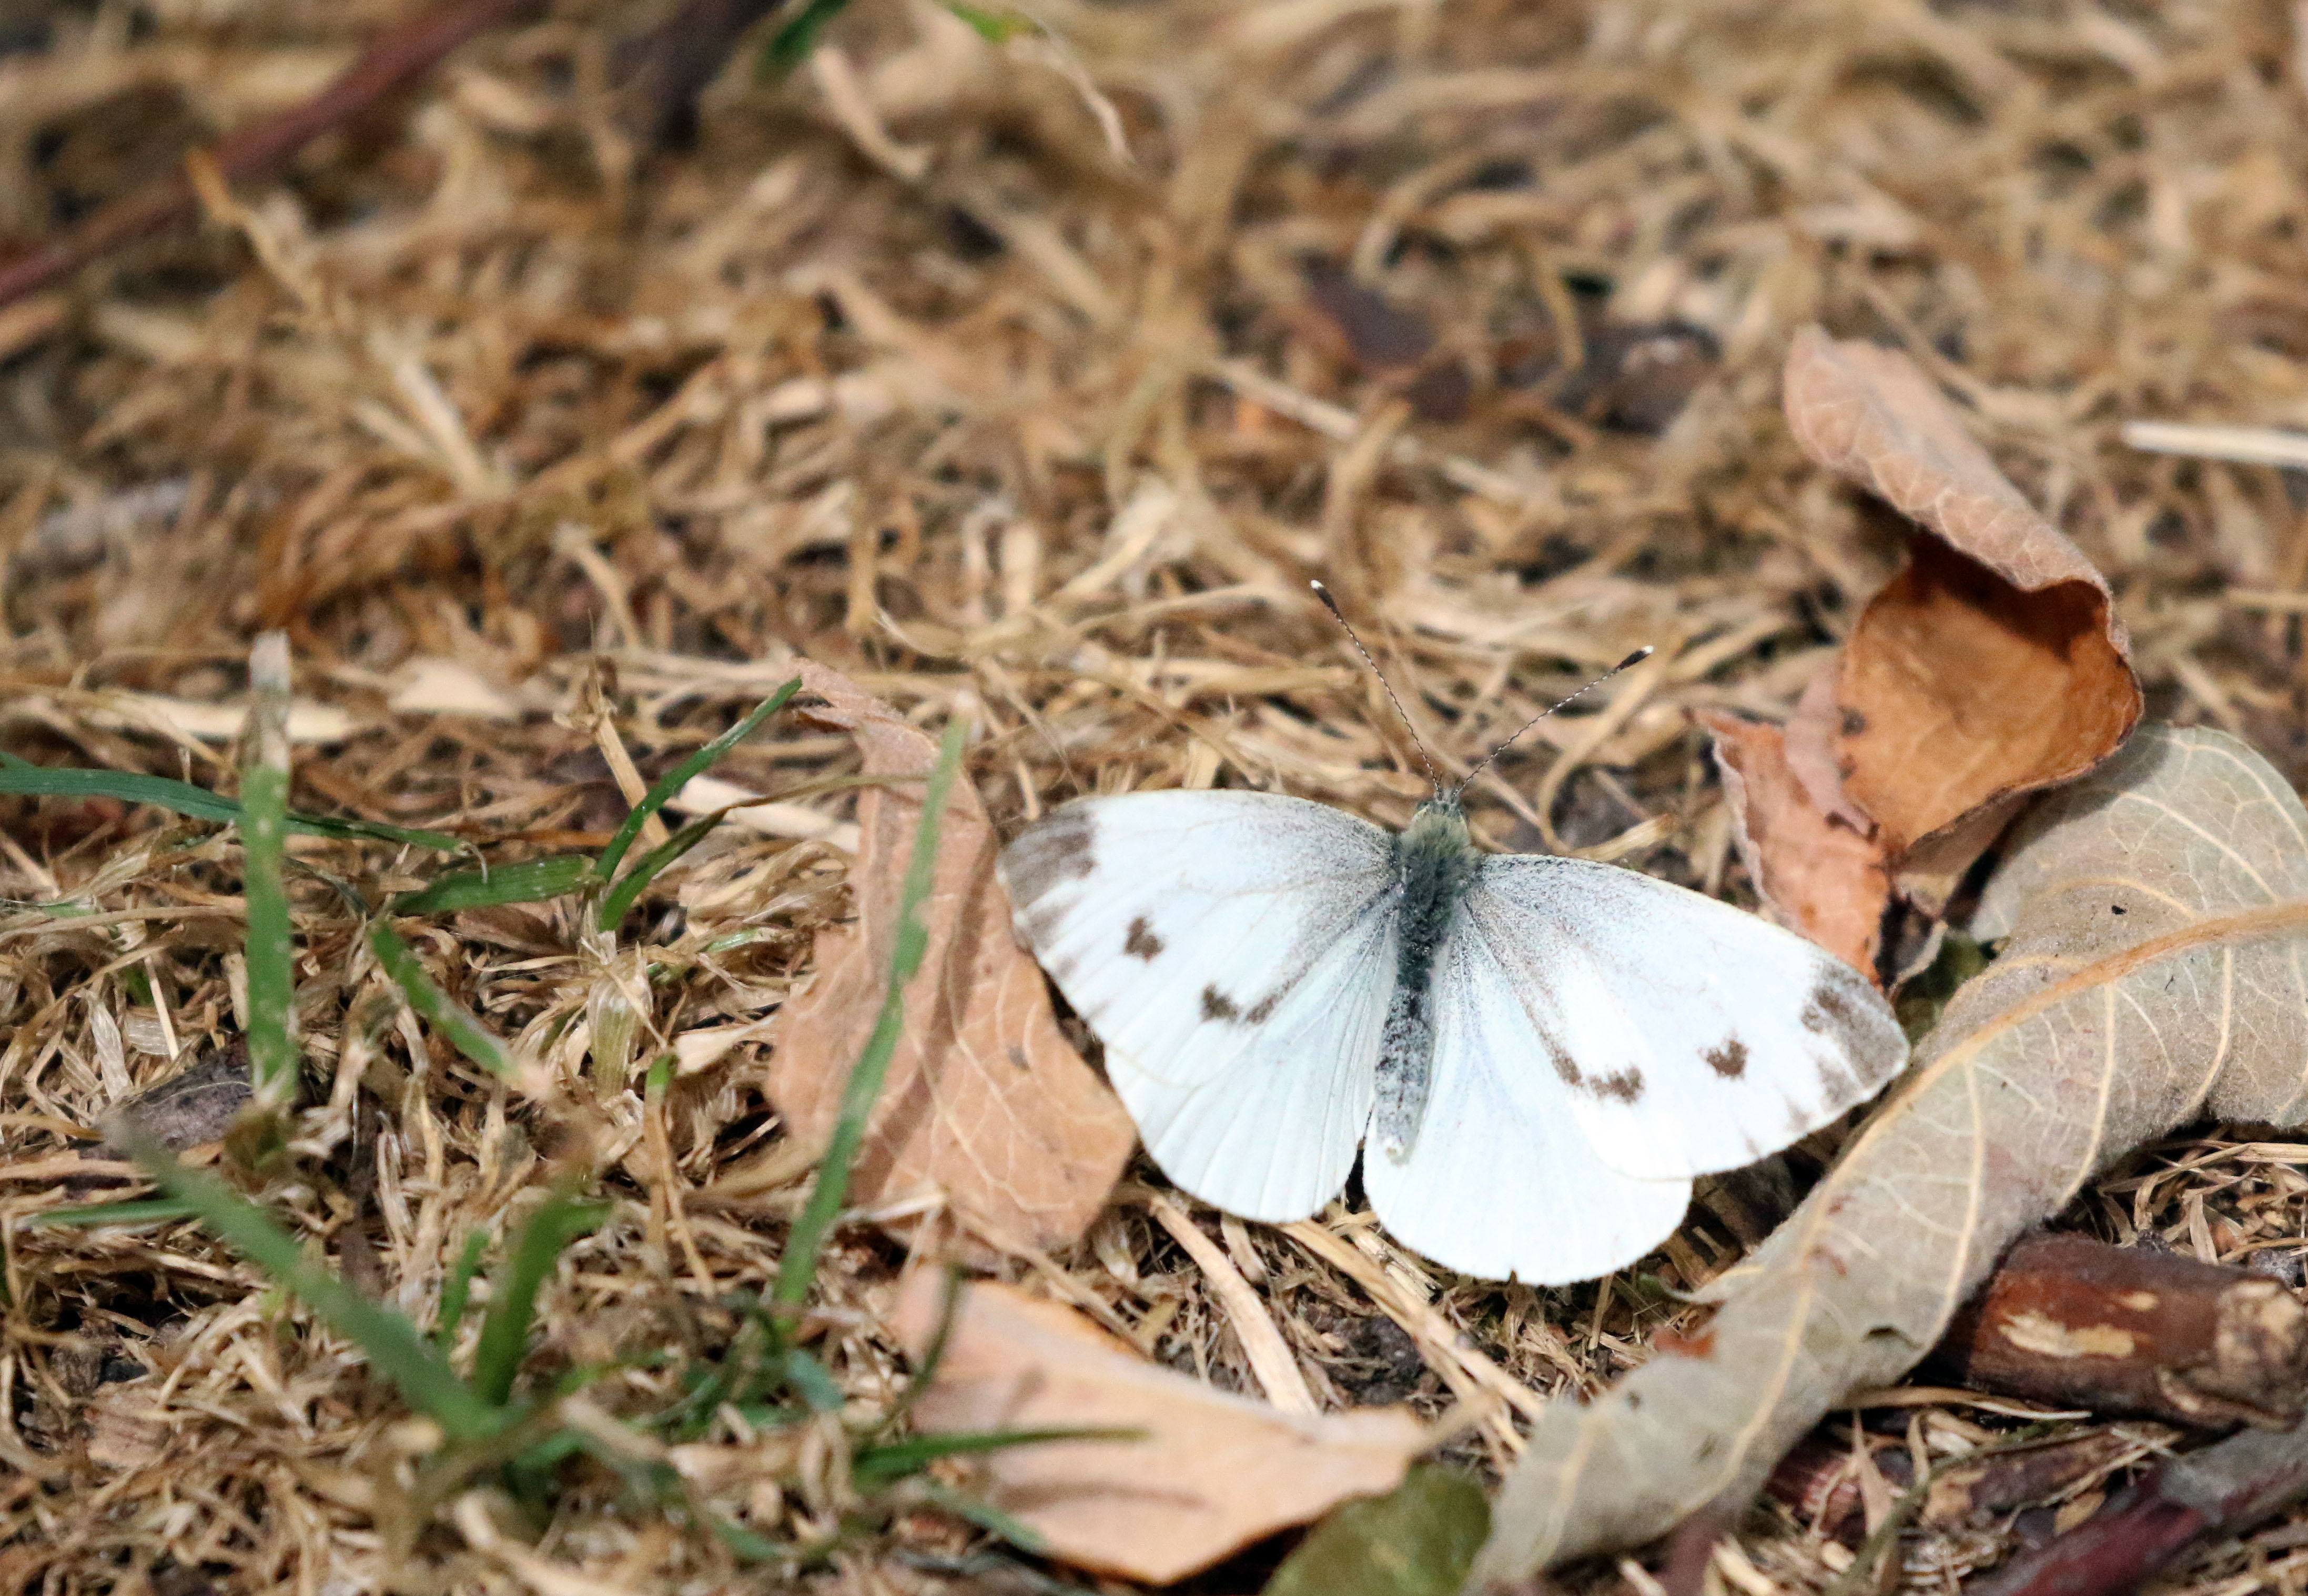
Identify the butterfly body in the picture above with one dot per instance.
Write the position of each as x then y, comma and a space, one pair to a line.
1541, 1051
1435, 861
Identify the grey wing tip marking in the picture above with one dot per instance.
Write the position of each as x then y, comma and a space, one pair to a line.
1864, 1043
1053, 851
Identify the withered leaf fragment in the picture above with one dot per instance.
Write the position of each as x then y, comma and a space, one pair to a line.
1211, 1472
1819, 877
2156, 968
985, 1100
1994, 664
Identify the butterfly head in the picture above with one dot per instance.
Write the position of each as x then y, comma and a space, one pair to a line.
1439, 823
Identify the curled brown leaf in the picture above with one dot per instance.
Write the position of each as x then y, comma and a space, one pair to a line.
1817, 877
985, 1101
1994, 664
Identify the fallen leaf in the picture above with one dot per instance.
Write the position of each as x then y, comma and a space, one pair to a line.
1994, 664
196, 1106
2156, 968
1212, 1473
1415, 1540
1817, 877
985, 1100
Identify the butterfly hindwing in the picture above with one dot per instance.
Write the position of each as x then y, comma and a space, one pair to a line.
1689, 1036
1234, 952
1501, 1178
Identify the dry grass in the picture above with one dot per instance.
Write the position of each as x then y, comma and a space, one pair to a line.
996, 378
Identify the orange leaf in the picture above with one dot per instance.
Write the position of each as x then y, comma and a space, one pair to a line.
1817, 877
1993, 664
985, 1100
1213, 1473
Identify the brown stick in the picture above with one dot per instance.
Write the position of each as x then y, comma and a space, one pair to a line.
393, 63
2079, 1323
2222, 1490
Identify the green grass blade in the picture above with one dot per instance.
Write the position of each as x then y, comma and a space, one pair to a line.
456, 1291
620, 897
806, 1377
992, 1520
559, 1220
144, 1211
395, 1347
532, 881
790, 46
677, 778
271, 940
878, 1465
20, 780
745, 1545
991, 26
799, 1268
467, 1034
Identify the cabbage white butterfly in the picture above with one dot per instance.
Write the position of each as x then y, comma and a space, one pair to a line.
1535, 1054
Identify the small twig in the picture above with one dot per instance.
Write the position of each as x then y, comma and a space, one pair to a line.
2081, 1323
395, 61
2223, 1489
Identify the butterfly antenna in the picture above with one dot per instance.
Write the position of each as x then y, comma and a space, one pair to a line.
1637, 658
1340, 616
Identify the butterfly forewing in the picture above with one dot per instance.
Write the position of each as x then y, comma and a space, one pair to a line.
1501, 1178
1688, 1037
1234, 952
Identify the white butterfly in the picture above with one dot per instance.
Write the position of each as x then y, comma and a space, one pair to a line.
1541, 1051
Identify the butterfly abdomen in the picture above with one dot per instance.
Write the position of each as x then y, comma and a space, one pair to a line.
1436, 862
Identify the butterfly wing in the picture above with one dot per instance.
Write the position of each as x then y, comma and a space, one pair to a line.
1235, 952
1501, 1178
1688, 1036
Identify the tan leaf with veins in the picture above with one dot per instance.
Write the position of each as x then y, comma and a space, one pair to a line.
1817, 877
1993, 664
985, 1100
2156, 969
1212, 1473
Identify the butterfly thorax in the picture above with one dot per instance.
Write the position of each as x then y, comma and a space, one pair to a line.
1435, 861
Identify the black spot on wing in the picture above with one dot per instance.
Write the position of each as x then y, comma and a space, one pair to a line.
1623, 1086
1218, 1005
1728, 1058
1141, 943
1263, 1008
1060, 848
1620, 1086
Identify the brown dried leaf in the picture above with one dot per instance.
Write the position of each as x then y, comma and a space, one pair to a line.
985, 1100
1818, 877
2156, 968
196, 1106
1995, 663
1213, 1473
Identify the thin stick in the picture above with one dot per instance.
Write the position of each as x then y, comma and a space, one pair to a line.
394, 61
